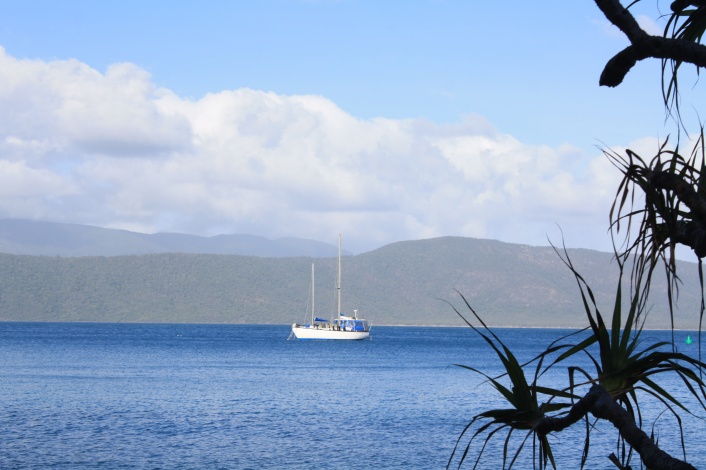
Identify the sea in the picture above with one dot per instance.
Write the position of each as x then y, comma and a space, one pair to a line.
173, 396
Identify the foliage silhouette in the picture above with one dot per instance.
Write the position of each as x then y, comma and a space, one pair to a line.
622, 368
674, 212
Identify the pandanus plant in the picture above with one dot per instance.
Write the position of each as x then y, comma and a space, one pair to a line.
621, 369
528, 403
673, 190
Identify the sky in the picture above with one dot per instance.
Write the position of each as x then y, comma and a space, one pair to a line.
381, 120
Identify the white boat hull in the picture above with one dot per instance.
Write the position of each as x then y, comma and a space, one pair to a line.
304, 332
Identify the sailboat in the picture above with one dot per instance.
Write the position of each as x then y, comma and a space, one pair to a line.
343, 327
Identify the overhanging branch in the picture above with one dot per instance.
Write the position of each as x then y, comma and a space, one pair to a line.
643, 45
601, 405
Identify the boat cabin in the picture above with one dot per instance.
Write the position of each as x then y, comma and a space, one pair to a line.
351, 324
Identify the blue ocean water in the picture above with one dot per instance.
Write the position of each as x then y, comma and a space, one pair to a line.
242, 396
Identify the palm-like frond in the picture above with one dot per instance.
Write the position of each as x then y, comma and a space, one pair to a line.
688, 23
674, 212
524, 399
621, 367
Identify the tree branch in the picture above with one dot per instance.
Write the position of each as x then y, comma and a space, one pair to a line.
643, 45
601, 405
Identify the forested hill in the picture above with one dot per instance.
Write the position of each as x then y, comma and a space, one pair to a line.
405, 283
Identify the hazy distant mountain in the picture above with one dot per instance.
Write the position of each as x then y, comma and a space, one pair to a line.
405, 283
26, 237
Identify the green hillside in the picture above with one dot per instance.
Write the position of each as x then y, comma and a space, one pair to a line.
403, 283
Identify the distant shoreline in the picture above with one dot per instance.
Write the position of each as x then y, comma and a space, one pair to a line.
289, 324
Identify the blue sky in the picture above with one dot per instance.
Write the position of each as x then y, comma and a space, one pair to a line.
531, 69
384, 120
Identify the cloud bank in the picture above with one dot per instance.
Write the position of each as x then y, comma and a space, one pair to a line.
114, 150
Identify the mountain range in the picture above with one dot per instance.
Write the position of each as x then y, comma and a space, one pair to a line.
28, 237
405, 283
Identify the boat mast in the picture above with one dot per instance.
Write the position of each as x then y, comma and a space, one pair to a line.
312, 294
338, 286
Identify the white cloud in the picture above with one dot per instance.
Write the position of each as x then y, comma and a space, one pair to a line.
111, 149
649, 25
27, 192
646, 22
75, 109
